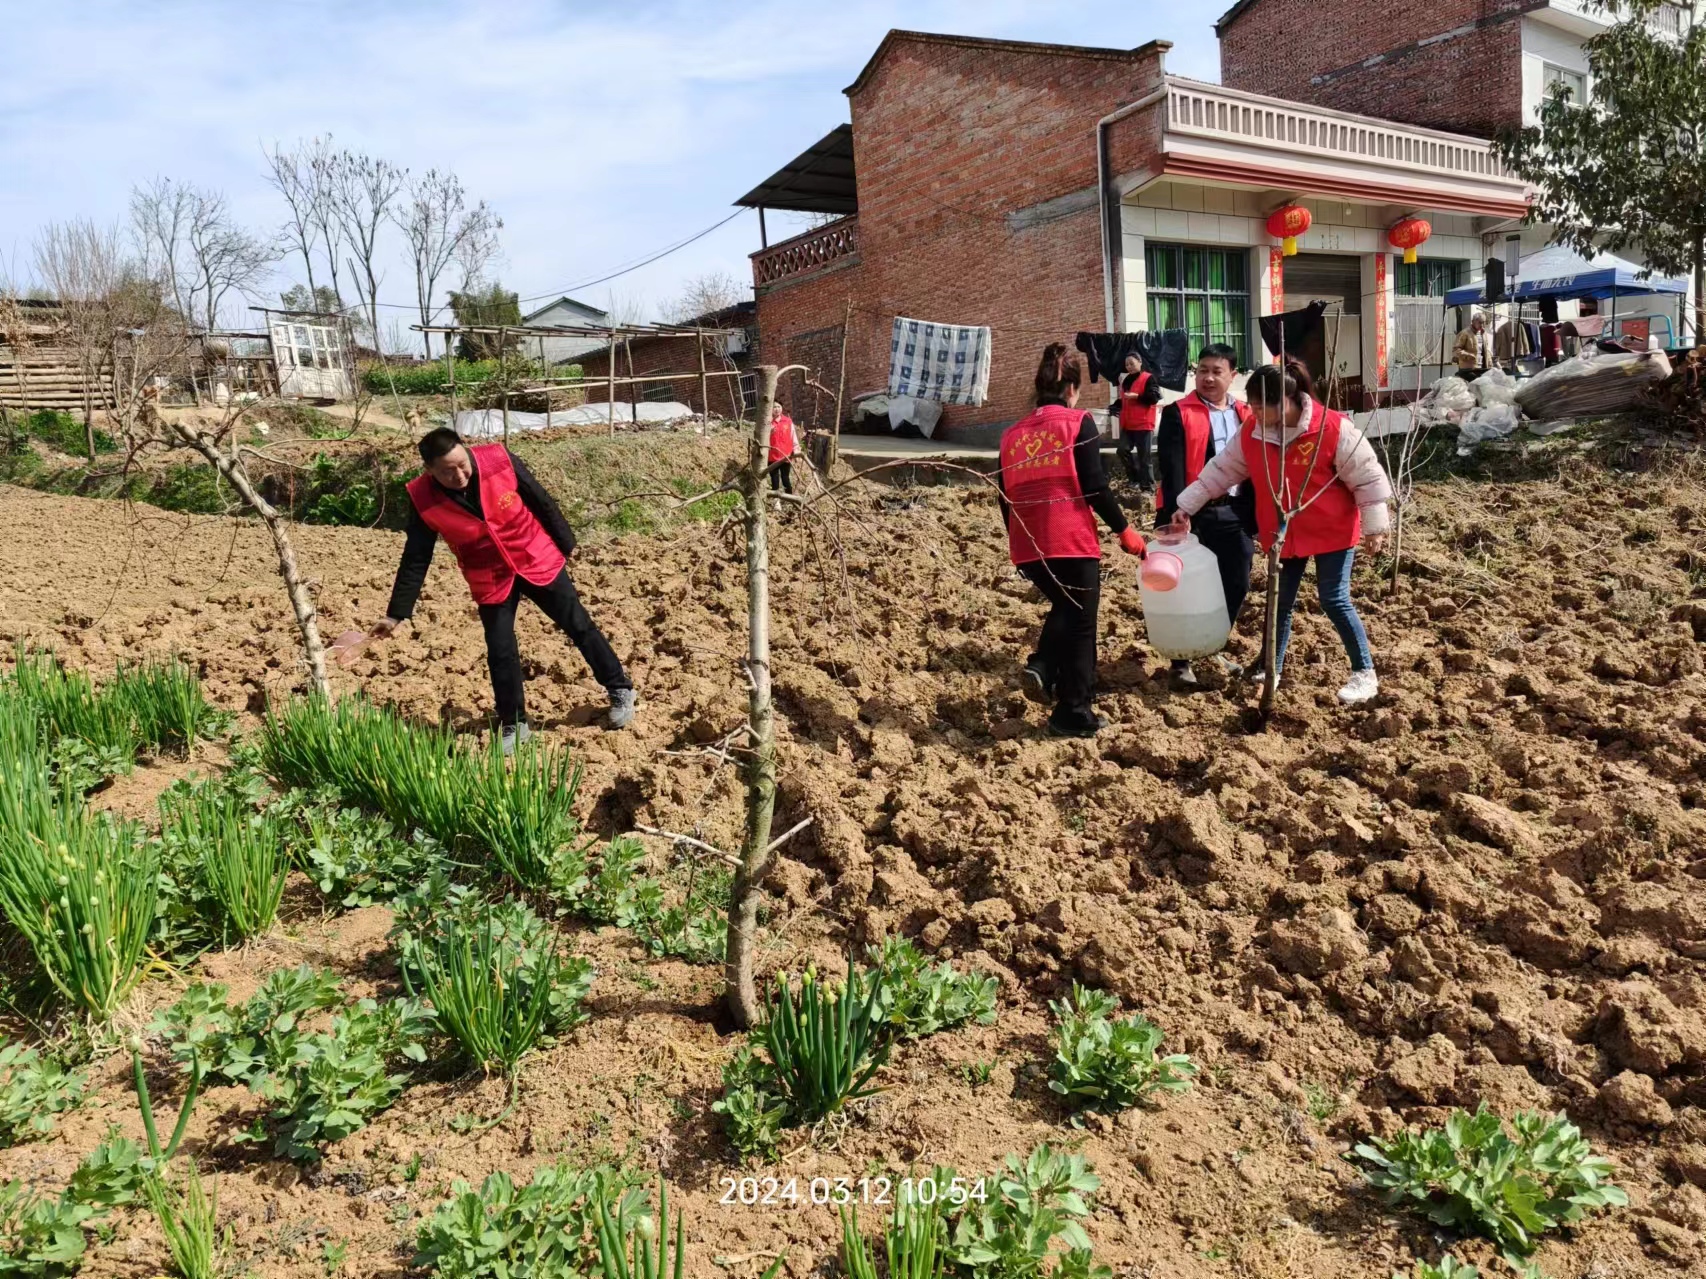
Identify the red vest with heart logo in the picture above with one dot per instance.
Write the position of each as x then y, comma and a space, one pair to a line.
1308, 475
1039, 475
509, 541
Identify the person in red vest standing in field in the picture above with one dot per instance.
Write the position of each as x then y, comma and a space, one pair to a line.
783, 445
1302, 457
1194, 429
511, 540
1052, 487
1140, 393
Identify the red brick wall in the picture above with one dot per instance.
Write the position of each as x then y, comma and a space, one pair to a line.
1470, 81
950, 140
657, 356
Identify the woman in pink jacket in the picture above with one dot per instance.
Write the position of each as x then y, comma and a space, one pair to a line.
1305, 461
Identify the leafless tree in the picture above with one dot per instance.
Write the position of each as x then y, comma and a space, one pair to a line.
226, 258
321, 161
296, 179
100, 290
363, 192
191, 243
705, 295
441, 229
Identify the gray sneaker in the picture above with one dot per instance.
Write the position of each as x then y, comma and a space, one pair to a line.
514, 735
622, 707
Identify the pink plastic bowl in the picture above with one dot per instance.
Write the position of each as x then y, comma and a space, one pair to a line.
1161, 570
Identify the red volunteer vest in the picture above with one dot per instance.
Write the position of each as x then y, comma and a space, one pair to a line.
1134, 416
1307, 472
1050, 518
491, 552
782, 439
1193, 417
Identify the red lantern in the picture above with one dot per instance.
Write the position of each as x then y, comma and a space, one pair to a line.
1287, 224
1408, 234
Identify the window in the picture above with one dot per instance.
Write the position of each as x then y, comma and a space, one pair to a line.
1429, 277
1575, 81
1205, 291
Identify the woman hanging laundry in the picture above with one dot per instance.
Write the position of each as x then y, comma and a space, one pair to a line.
1052, 488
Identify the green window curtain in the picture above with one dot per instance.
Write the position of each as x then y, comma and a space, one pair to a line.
1204, 291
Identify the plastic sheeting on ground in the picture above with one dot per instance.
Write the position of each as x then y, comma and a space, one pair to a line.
480, 424
924, 414
1592, 383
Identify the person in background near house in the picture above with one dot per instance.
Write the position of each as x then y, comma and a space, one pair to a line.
1139, 394
1052, 487
783, 446
1194, 429
510, 539
1303, 457
1473, 350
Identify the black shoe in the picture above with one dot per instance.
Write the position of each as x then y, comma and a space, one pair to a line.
1036, 684
1080, 730
1184, 676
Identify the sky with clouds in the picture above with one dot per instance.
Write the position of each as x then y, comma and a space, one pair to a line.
600, 131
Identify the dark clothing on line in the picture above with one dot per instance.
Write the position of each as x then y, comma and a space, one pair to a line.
1294, 327
1092, 479
1165, 353
1066, 650
1549, 310
562, 605
420, 540
782, 477
1135, 444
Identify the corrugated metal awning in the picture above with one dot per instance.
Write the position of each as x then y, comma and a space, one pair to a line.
818, 180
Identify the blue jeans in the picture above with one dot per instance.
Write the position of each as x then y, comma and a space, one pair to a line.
1333, 580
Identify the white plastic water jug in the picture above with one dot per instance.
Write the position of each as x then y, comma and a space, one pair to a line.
1189, 619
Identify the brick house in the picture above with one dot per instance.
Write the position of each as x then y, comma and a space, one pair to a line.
1044, 189
657, 354
1474, 66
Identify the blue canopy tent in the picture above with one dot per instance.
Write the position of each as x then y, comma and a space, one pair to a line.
1557, 272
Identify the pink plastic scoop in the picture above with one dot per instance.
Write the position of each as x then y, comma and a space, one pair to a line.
1161, 569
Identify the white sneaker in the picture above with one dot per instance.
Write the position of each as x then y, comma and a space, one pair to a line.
1363, 687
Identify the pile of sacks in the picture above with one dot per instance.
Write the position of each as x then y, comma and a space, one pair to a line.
1592, 384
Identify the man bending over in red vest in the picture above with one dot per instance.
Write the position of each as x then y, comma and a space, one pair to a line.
510, 539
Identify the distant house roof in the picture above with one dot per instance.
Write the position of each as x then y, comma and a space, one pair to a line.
742, 315
818, 180
590, 312
1001, 46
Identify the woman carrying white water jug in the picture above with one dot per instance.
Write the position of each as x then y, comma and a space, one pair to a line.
1303, 457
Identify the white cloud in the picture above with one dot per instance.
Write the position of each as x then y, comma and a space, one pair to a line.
600, 132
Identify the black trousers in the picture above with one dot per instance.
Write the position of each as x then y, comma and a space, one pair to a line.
782, 477
562, 605
1134, 452
1066, 652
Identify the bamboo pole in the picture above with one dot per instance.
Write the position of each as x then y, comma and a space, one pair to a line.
634, 403
612, 379
840, 389
704, 381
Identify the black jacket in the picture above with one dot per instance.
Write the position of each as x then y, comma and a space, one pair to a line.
1170, 478
420, 540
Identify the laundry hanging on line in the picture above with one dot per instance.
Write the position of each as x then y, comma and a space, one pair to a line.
944, 362
1293, 328
1166, 353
